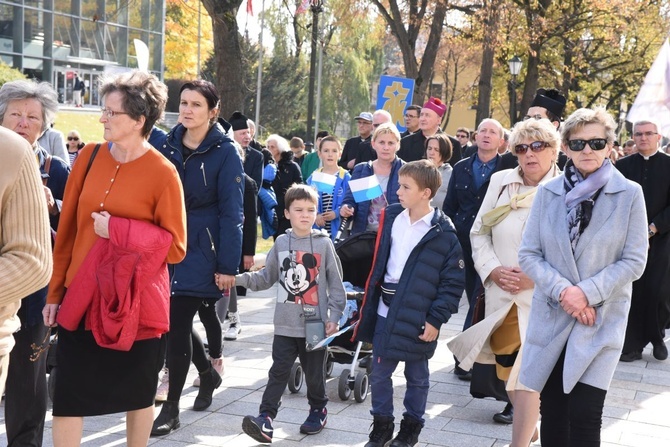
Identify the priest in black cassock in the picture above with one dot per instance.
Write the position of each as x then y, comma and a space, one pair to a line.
650, 309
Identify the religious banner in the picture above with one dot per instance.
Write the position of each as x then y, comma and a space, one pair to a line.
395, 95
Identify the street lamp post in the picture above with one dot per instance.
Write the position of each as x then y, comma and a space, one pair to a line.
514, 68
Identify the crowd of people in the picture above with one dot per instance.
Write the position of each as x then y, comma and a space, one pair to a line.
561, 233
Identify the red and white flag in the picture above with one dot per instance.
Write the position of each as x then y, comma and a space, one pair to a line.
653, 100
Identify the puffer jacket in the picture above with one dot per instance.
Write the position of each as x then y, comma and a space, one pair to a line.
430, 287
361, 210
213, 180
122, 286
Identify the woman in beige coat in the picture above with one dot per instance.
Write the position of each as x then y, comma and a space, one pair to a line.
496, 238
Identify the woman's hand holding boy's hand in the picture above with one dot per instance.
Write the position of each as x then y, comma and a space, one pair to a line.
224, 282
430, 333
331, 328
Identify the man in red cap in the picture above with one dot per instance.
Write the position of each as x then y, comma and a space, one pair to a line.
413, 147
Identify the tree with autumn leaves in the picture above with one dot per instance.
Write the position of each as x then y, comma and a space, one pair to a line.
596, 51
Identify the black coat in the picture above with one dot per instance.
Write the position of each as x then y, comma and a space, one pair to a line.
352, 150
650, 306
413, 147
430, 287
253, 164
288, 173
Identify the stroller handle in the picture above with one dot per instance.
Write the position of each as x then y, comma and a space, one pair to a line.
344, 222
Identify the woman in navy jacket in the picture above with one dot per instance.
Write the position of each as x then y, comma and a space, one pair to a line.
386, 142
213, 179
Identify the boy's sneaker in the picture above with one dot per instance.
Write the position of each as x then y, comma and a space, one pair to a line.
235, 327
259, 428
315, 421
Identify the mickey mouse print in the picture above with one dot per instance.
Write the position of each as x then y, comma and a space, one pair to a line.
299, 277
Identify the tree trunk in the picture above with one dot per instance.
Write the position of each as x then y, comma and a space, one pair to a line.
425, 73
228, 54
530, 81
490, 24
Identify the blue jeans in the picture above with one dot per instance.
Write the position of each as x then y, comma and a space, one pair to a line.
416, 374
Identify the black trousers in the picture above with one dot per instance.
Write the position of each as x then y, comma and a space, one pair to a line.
210, 320
184, 343
26, 390
570, 420
284, 352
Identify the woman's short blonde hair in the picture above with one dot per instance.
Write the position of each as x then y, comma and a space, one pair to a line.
583, 117
535, 130
384, 129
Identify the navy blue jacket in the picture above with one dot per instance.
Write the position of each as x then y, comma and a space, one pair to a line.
361, 210
30, 312
213, 181
464, 200
430, 287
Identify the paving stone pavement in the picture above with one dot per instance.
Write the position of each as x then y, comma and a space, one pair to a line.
636, 410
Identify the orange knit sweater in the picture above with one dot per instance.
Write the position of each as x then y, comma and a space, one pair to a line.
146, 189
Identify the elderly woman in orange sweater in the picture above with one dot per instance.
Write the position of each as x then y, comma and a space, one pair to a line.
128, 178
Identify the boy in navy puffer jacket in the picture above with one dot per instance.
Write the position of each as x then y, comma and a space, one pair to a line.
416, 282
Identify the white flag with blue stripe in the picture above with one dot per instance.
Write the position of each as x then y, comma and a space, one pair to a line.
324, 183
366, 188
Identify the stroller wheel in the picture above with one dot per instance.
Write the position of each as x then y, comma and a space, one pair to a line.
327, 366
295, 379
344, 387
361, 387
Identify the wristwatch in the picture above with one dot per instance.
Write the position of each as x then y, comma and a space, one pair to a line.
651, 232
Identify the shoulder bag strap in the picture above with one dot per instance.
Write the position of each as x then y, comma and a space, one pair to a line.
90, 160
47, 168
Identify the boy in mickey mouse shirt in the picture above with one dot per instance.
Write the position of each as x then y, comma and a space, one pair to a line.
310, 283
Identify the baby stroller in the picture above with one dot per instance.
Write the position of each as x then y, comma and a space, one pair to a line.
356, 254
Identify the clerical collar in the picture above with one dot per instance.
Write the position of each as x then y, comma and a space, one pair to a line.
648, 157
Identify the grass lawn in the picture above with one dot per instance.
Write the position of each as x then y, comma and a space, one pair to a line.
84, 121
263, 245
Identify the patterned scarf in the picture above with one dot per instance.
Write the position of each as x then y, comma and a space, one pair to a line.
580, 196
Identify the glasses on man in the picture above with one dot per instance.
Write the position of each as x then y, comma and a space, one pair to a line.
646, 134
535, 146
596, 144
109, 113
535, 117
461, 136
72, 138
409, 115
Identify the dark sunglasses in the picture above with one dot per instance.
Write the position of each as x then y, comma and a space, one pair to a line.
597, 144
72, 138
535, 146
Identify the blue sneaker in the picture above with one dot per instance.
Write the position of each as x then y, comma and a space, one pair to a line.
259, 428
315, 421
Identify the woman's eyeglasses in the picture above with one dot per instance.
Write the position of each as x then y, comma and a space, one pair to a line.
596, 144
72, 138
109, 113
535, 146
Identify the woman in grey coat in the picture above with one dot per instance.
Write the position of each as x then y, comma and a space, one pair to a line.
585, 243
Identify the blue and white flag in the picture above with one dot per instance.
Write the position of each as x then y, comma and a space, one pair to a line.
324, 183
366, 188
